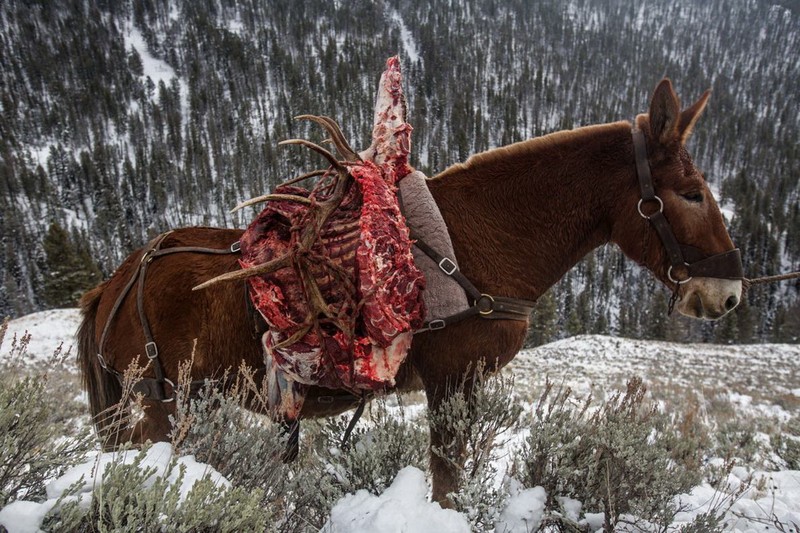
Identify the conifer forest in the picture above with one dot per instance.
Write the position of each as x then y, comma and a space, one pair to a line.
122, 119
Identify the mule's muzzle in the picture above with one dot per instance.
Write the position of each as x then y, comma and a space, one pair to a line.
709, 298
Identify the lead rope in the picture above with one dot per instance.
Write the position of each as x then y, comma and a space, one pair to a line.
769, 279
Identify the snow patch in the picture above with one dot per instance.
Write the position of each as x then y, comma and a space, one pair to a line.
401, 508
154, 68
405, 36
25, 516
524, 511
47, 329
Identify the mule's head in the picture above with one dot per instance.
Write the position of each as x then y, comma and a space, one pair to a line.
706, 288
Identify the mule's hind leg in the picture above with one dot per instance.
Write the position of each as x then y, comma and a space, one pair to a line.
154, 425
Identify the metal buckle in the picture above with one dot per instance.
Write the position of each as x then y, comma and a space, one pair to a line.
174, 391
151, 349
660, 207
448, 266
437, 324
675, 281
147, 256
488, 298
103, 363
236, 247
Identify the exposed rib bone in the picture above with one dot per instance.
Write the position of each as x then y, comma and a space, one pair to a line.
268, 197
299, 334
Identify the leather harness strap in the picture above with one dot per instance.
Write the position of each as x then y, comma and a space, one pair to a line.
726, 265
483, 305
150, 388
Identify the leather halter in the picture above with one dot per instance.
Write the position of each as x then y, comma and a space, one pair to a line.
727, 265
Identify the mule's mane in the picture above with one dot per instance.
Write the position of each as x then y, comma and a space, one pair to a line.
530, 147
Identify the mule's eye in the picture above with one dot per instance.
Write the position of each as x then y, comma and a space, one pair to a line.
696, 197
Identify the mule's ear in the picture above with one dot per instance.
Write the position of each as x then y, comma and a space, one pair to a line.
689, 116
665, 113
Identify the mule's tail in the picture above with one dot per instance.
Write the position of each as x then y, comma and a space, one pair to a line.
102, 387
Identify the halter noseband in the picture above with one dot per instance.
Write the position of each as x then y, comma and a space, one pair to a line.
727, 265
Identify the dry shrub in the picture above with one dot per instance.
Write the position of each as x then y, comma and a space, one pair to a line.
481, 414
617, 458
37, 442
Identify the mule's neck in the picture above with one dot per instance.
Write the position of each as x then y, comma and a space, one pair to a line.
521, 216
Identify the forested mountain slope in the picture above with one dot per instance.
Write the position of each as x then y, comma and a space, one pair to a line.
119, 120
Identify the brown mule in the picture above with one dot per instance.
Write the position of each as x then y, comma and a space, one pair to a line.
520, 216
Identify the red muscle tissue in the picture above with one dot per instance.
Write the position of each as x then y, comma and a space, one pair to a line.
361, 265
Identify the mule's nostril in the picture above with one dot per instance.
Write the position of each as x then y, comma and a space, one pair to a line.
731, 302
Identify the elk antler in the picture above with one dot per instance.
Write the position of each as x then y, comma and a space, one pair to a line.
337, 137
338, 140
265, 268
312, 174
268, 197
318, 213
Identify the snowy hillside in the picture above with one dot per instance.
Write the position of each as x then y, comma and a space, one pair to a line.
120, 120
758, 381
45, 333
595, 363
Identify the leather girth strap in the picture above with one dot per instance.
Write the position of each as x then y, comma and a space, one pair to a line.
483, 305
152, 388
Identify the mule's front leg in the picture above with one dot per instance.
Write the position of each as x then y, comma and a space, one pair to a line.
446, 362
448, 447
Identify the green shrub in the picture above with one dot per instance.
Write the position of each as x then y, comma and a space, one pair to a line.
243, 446
737, 439
376, 451
786, 443
134, 497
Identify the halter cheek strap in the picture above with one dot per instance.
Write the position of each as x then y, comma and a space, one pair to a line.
726, 265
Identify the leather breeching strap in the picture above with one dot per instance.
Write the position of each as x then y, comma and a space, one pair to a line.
151, 388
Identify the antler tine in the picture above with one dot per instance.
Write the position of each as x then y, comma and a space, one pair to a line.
320, 172
317, 148
270, 266
337, 137
299, 334
268, 197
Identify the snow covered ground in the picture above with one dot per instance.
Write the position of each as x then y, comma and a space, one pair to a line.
759, 380
753, 374
45, 332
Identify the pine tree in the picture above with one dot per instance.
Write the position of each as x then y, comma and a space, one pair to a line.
544, 321
70, 271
